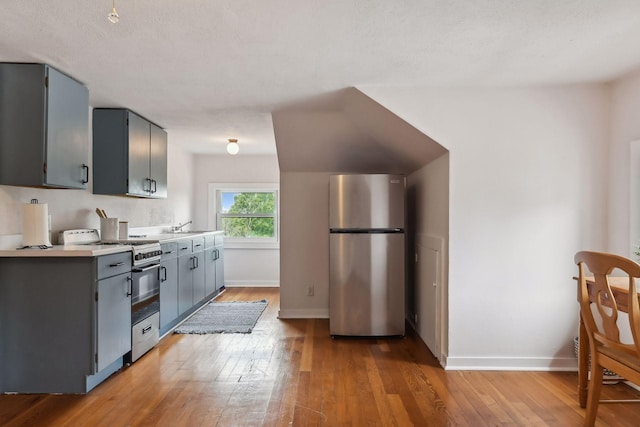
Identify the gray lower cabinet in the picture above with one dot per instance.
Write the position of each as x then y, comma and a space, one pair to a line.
219, 253
185, 277
44, 127
210, 270
114, 319
214, 263
199, 270
191, 273
65, 322
129, 154
168, 286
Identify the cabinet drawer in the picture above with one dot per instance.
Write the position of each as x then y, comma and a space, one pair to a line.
111, 265
169, 250
209, 241
184, 247
198, 244
145, 335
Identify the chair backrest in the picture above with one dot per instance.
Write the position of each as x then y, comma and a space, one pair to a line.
607, 332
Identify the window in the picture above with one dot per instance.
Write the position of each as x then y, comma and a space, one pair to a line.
248, 213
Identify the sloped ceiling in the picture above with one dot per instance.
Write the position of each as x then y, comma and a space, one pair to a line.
348, 132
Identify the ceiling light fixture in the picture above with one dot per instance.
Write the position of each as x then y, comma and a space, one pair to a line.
113, 16
233, 147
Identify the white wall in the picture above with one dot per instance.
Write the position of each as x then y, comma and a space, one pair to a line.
243, 267
528, 177
304, 205
624, 199
428, 236
76, 208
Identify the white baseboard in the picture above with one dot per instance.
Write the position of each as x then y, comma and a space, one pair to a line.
310, 313
560, 364
252, 283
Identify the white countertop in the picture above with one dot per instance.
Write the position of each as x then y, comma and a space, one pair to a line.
96, 250
65, 251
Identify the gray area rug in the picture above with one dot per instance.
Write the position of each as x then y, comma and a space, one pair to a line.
237, 317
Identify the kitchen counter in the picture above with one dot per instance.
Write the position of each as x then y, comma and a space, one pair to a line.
98, 250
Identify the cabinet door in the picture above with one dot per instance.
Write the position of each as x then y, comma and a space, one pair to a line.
198, 277
220, 267
210, 271
158, 162
114, 319
185, 283
168, 291
67, 141
139, 179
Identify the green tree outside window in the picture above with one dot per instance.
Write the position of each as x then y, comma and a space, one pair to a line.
250, 216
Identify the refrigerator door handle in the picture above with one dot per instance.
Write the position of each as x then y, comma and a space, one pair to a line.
365, 230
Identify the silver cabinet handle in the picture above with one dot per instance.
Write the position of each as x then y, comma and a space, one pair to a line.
117, 264
129, 284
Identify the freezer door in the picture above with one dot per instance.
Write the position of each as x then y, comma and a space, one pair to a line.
366, 201
366, 284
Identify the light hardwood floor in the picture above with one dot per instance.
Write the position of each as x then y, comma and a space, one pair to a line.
290, 372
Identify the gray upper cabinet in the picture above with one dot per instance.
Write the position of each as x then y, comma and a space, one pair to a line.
129, 154
158, 161
44, 127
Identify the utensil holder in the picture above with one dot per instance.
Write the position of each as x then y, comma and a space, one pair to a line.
108, 229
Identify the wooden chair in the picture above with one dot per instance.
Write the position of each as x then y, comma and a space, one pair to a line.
604, 337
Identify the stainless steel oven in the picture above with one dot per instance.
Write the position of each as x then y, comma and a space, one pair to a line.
145, 292
145, 298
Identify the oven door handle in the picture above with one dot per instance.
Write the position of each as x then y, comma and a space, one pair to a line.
141, 270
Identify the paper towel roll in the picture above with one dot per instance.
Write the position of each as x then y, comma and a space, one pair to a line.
35, 224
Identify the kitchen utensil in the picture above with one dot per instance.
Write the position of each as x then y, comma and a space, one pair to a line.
99, 212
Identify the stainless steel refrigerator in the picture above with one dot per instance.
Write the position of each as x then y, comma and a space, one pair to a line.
367, 255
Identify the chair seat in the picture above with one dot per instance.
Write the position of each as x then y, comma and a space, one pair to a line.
628, 360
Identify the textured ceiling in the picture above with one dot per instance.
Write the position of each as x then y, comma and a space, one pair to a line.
211, 70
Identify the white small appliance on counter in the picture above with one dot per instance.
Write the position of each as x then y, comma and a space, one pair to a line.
35, 225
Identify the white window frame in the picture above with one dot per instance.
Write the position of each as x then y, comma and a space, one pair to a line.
215, 218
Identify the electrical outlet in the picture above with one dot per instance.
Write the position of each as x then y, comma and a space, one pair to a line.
310, 291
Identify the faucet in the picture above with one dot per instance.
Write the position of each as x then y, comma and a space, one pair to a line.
179, 226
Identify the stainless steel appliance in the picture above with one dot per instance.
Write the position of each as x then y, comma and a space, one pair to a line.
366, 255
145, 298
145, 286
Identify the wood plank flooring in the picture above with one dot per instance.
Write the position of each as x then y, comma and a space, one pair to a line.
290, 372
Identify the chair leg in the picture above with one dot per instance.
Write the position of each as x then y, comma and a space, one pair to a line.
595, 386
